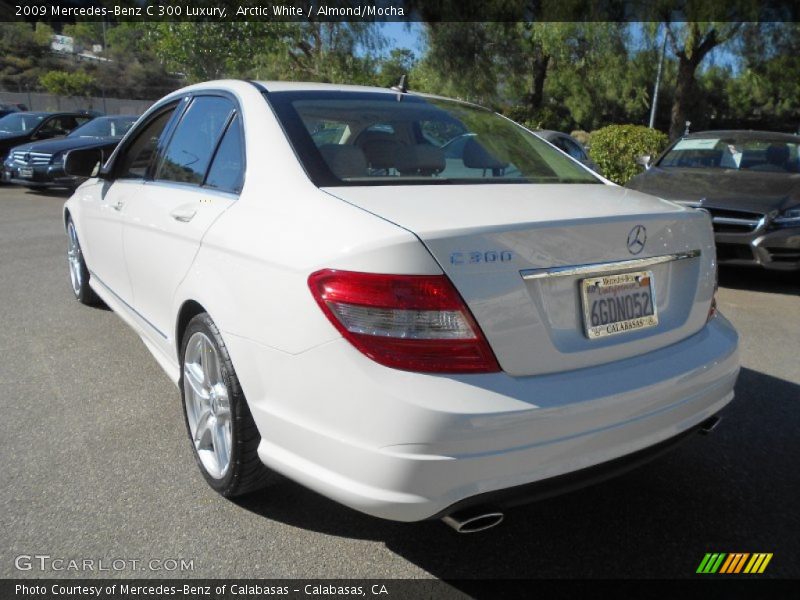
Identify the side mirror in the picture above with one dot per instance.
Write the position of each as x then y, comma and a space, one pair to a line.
83, 162
643, 160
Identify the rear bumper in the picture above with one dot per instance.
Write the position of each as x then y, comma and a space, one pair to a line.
776, 249
575, 480
407, 446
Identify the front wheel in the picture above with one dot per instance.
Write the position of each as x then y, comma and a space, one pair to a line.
222, 431
78, 271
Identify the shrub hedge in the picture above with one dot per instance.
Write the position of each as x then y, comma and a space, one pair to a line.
615, 148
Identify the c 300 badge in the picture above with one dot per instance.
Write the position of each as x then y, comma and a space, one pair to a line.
477, 257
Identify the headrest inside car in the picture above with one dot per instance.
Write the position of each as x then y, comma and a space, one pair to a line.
345, 161
478, 157
420, 159
381, 153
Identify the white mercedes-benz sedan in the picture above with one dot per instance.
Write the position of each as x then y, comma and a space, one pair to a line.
409, 304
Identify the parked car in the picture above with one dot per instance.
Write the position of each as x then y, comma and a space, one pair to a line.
750, 183
411, 337
20, 127
41, 164
570, 145
7, 109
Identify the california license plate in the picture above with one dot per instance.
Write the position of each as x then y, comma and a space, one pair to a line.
26, 172
620, 303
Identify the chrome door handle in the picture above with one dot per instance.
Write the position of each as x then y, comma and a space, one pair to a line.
118, 205
183, 215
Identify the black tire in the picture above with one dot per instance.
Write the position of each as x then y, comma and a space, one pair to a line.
79, 272
245, 473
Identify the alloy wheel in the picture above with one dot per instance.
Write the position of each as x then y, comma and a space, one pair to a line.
208, 408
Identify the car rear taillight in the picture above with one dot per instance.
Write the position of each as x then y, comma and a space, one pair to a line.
411, 322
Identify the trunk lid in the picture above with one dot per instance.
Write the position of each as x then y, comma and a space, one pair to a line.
485, 236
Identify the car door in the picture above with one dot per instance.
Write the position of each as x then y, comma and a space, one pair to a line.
191, 186
102, 213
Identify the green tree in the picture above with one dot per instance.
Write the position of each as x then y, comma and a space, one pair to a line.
135, 69
203, 51
62, 83
691, 42
553, 75
765, 92
331, 52
400, 61
24, 53
85, 33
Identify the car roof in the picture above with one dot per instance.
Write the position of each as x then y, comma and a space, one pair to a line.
745, 134
116, 117
35, 113
313, 86
310, 86
43, 113
299, 86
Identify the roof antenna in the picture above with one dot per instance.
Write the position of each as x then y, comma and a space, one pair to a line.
401, 86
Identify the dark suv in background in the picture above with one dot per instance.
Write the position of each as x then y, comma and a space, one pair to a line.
19, 127
41, 164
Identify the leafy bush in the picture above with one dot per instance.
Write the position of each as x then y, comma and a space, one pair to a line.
615, 148
63, 83
584, 137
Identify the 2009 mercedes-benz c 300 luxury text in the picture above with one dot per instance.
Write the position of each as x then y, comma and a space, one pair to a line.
410, 304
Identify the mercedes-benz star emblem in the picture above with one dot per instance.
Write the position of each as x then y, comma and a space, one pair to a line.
636, 239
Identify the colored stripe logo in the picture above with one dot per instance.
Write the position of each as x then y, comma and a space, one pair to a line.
733, 563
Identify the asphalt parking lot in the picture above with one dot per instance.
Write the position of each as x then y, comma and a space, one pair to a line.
96, 463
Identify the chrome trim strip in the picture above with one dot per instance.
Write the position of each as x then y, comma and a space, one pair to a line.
608, 267
133, 310
734, 221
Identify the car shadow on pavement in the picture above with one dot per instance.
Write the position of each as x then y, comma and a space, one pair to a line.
734, 490
760, 280
49, 192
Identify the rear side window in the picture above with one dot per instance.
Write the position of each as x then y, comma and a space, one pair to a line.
227, 168
137, 155
192, 146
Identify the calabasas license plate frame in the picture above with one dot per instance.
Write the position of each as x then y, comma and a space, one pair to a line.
619, 286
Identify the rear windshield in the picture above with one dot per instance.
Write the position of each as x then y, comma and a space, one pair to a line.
356, 138
736, 153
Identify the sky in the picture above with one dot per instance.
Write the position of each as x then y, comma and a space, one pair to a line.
404, 35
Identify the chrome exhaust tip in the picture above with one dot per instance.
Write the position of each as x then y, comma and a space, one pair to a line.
709, 425
473, 522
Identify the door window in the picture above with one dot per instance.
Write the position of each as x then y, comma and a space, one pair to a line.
54, 126
189, 152
227, 168
137, 156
